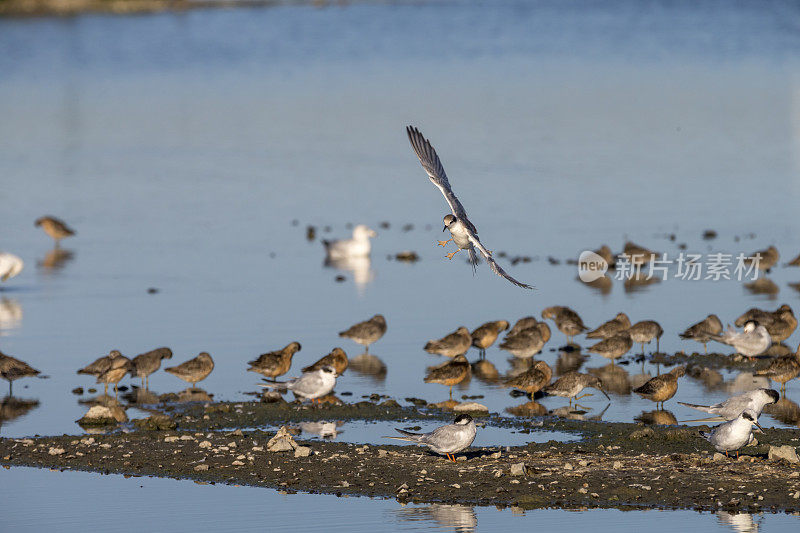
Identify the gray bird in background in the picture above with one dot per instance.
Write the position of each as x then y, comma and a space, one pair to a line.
310, 386
753, 401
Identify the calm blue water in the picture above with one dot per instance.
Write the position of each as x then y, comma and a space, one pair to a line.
75, 499
182, 146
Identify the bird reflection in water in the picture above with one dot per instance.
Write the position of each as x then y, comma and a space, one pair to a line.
359, 267
369, 365
141, 396
461, 518
55, 260
12, 408
527, 409
603, 284
10, 314
738, 522
326, 430
485, 371
785, 411
657, 418
614, 378
569, 361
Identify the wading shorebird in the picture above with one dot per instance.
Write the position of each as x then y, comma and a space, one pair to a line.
532, 380
100, 365
730, 409
193, 370
485, 335
766, 258
645, 331
661, 388
54, 227
526, 343
783, 369
567, 321
118, 367
444, 440
753, 340
450, 373
12, 369
10, 266
780, 323
311, 385
455, 343
703, 331
463, 233
619, 323
638, 255
571, 384
274, 364
145, 364
613, 347
337, 359
366, 333
734, 435
358, 246
522, 323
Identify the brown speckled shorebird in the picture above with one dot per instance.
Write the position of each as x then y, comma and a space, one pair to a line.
456, 343
337, 359
783, 369
146, 363
567, 321
767, 260
12, 408
274, 364
118, 367
532, 380
571, 384
661, 388
645, 331
450, 373
780, 323
12, 369
485, 335
99, 365
366, 333
56, 228
613, 347
193, 370
638, 255
522, 323
525, 344
619, 323
703, 330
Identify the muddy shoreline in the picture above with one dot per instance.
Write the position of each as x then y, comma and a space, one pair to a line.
614, 465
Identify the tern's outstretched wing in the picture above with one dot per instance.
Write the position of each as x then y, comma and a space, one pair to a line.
433, 166
497, 269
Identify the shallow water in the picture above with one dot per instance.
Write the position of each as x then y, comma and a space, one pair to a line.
137, 504
182, 146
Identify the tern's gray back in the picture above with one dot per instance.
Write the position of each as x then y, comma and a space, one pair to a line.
307, 384
450, 438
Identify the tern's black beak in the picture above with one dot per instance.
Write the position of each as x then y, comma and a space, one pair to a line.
604, 393
760, 429
444, 228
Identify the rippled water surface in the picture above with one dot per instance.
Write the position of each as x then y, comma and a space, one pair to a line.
183, 148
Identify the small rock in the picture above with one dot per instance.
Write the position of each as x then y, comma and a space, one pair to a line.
582, 490
302, 451
257, 448
282, 441
472, 407
786, 452
271, 396
205, 444
796, 495
55, 451
201, 468
642, 433
382, 453
172, 438
617, 465
77, 390
568, 466
496, 455
456, 486
237, 463
718, 457
155, 423
518, 469
100, 415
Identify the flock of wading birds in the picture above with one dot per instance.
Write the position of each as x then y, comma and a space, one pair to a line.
524, 340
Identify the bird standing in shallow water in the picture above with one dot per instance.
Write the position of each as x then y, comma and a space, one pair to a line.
485, 335
55, 228
455, 343
118, 367
337, 359
311, 385
753, 340
783, 369
463, 233
12, 369
613, 347
367, 332
145, 364
661, 388
571, 384
567, 321
274, 364
619, 323
193, 370
10, 266
450, 373
645, 331
703, 331
532, 380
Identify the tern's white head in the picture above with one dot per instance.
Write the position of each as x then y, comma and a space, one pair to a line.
362, 232
750, 326
448, 220
327, 369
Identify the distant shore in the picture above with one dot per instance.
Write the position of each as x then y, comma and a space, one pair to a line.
42, 8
